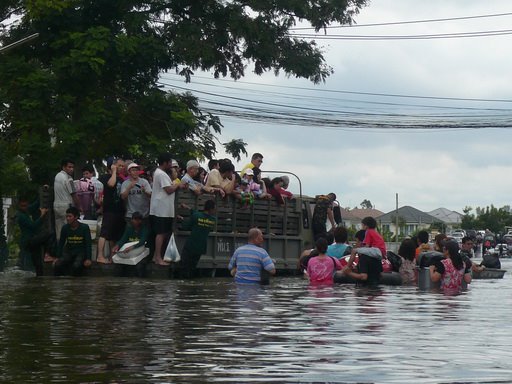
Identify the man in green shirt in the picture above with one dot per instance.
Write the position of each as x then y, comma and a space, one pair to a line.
137, 230
30, 220
74, 252
199, 224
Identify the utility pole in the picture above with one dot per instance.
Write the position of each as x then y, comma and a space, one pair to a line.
396, 220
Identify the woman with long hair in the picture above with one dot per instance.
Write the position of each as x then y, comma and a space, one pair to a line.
407, 253
451, 271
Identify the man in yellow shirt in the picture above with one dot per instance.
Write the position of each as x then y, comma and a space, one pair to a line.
256, 161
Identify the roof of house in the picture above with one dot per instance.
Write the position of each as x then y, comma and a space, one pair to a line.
409, 214
357, 214
447, 216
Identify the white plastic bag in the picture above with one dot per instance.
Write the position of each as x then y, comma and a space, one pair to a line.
172, 253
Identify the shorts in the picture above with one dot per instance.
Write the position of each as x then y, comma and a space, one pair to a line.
161, 225
112, 226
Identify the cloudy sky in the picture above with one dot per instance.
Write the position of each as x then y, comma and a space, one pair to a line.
425, 118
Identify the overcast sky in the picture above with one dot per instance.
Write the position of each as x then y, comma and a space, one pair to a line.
454, 165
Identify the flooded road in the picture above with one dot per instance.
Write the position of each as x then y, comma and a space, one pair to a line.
112, 330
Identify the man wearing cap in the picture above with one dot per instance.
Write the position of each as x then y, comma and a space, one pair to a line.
175, 172
136, 191
161, 211
192, 170
112, 225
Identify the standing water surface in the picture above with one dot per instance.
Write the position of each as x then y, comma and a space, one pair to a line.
113, 330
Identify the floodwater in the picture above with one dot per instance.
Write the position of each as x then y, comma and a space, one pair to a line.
114, 330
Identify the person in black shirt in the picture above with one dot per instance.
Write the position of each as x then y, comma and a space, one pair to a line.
113, 223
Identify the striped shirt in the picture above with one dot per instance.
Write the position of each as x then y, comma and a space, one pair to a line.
249, 259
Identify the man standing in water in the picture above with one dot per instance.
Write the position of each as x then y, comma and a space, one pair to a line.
248, 260
199, 224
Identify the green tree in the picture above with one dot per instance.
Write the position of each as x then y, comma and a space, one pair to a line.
88, 86
366, 204
469, 220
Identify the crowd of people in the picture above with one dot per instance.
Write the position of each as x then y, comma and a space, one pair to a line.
448, 264
136, 203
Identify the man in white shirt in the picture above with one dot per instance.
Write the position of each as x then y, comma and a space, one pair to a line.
64, 194
161, 212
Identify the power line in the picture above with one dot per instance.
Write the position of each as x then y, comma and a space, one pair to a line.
406, 37
407, 22
345, 121
367, 93
302, 97
323, 110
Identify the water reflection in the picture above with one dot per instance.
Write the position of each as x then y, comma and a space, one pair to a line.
146, 331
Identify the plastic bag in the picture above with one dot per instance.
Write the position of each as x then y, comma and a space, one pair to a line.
171, 252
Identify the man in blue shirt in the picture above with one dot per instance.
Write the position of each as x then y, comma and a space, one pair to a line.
248, 260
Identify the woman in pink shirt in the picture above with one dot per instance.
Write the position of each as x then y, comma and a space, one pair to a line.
451, 271
321, 268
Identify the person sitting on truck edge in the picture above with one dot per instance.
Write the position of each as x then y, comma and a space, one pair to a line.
190, 177
257, 179
74, 251
340, 247
248, 260
323, 210
200, 224
223, 178
256, 161
277, 191
423, 245
212, 164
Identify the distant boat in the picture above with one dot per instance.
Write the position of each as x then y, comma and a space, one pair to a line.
489, 273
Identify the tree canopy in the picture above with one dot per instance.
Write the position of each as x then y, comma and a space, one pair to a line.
492, 218
88, 86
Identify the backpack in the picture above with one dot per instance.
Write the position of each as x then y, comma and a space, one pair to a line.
395, 260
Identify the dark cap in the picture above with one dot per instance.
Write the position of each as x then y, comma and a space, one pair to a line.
137, 215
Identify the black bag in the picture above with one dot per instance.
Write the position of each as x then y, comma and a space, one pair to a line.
395, 260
